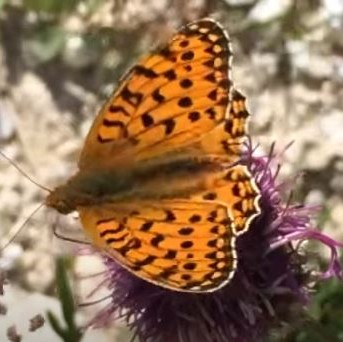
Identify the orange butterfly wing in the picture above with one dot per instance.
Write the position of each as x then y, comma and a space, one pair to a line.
169, 101
181, 244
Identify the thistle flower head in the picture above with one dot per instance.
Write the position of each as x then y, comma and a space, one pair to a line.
272, 278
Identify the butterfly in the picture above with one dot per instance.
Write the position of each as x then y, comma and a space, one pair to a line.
160, 188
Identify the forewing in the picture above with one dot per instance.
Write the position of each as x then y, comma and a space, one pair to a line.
170, 100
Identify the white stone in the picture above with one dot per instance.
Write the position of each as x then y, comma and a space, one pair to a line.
266, 10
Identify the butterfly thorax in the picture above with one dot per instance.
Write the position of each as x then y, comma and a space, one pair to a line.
150, 180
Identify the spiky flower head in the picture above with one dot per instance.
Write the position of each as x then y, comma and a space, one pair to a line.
271, 282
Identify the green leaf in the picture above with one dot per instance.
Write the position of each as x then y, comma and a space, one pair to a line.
55, 325
65, 293
73, 334
70, 333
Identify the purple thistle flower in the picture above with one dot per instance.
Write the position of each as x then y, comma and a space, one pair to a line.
271, 280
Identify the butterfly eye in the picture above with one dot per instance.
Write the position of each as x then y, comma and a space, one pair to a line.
63, 207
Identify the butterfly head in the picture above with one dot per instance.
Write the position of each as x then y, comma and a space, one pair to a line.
80, 190
60, 201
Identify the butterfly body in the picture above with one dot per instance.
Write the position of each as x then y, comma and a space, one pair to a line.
160, 187
151, 180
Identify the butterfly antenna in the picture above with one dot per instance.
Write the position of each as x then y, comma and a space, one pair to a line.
20, 170
17, 231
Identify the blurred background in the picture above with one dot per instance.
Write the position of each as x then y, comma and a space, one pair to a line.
59, 60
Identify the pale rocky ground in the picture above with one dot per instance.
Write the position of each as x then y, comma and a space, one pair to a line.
42, 133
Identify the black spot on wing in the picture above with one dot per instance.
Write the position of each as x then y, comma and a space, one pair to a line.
170, 75
156, 240
146, 72
186, 244
133, 98
157, 96
147, 120
169, 125
186, 231
187, 56
185, 102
